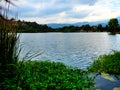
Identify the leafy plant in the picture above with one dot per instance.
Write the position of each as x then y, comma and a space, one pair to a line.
107, 63
45, 75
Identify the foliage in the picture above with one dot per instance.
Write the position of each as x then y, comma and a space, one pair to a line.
100, 28
33, 27
107, 63
67, 29
113, 25
86, 27
45, 75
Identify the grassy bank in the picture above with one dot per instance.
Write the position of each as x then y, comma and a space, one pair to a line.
45, 75
108, 63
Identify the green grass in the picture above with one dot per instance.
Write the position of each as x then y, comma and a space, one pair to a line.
108, 63
45, 75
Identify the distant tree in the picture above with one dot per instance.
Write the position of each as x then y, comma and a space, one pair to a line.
94, 28
113, 25
106, 28
86, 27
100, 28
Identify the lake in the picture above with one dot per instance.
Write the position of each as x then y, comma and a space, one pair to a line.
73, 49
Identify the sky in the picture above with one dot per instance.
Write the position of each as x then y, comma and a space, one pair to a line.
66, 11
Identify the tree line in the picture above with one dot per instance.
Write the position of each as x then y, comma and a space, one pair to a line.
33, 27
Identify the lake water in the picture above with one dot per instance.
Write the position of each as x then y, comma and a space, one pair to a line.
73, 49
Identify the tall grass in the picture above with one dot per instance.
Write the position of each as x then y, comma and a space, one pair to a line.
8, 41
8, 45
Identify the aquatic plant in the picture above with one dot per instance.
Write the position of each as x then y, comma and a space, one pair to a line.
46, 75
108, 63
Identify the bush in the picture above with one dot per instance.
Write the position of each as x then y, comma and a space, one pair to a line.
45, 75
107, 63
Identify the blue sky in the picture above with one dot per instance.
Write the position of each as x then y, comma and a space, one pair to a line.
67, 11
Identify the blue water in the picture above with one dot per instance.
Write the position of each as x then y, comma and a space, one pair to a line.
73, 49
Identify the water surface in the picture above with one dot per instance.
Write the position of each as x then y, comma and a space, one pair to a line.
74, 49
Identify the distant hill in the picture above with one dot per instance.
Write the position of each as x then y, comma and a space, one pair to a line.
91, 23
57, 25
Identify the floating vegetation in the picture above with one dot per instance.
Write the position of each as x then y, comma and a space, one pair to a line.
45, 75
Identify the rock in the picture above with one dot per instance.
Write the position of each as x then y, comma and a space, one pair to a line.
107, 76
117, 88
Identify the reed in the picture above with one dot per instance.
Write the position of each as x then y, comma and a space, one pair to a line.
8, 44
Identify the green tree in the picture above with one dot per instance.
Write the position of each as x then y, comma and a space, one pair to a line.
113, 25
100, 28
86, 27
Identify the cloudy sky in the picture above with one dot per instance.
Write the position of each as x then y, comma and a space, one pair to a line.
67, 11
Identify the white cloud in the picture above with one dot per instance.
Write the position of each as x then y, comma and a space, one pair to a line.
68, 11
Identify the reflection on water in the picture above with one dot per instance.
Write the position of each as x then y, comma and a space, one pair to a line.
105, 84
74, 49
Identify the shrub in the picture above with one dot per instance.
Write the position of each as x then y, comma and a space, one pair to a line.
107, 63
